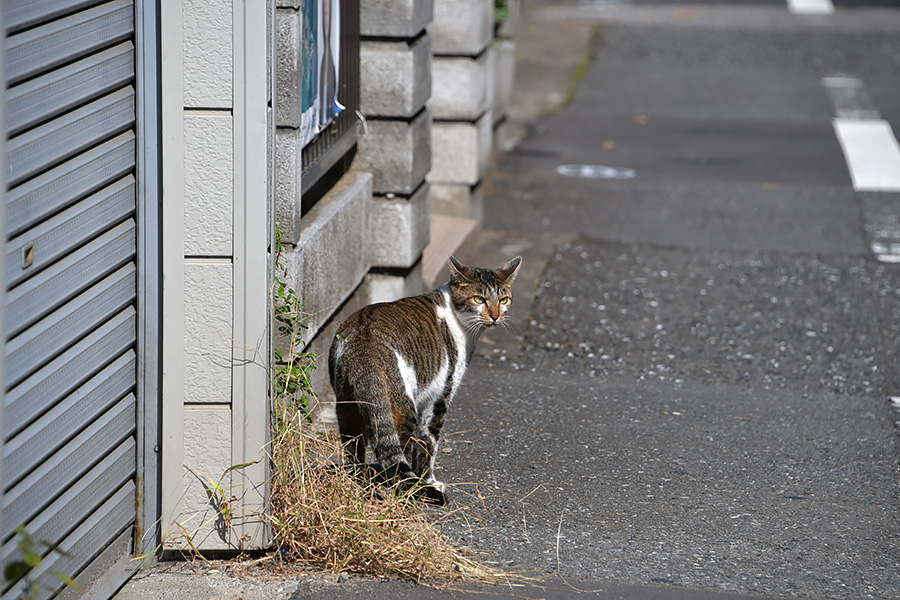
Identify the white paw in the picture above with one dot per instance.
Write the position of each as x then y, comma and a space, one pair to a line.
438, 485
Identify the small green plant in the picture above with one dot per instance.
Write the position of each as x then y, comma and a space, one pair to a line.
501, 10
292, 384
17, 570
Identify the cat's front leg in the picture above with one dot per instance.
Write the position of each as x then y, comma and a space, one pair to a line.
430, 433
435, 426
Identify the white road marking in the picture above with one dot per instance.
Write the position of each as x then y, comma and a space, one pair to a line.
850, 98
811, 7
886, 253
871, 152
595, 172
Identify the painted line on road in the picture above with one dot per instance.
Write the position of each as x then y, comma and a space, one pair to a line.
811, 7
850, 98
870, 150
872, 153
595, 172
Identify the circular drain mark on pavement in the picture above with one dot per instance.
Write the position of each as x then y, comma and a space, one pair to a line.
595, 172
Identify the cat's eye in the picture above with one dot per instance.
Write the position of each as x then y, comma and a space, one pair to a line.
504, 300
478, 299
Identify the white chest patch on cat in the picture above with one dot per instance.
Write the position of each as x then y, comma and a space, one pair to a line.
423, 399
445, 313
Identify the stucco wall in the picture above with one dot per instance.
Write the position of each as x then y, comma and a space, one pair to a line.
215, 245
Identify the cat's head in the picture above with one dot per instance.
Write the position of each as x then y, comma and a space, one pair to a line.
481, 297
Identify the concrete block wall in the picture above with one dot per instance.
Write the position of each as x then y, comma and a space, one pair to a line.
472, 79
334, 253
504, 52
395, 86
463, 31
327, 251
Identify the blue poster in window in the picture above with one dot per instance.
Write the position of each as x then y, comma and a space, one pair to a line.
330, 57
320, 55
309, 55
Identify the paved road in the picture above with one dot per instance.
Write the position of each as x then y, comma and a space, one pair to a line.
699, 402
702, 399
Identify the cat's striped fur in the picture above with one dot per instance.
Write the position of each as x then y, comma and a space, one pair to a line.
396, 366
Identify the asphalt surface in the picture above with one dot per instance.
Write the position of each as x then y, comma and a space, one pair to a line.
696, 402
701, 400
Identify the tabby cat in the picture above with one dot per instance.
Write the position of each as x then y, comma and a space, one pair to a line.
396, 366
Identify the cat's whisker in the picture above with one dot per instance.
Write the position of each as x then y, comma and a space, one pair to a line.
472, 325
508, 325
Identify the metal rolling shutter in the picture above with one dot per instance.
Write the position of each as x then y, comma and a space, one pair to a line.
69, 446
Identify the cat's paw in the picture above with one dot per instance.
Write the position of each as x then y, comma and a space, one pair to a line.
430, 492
434, 493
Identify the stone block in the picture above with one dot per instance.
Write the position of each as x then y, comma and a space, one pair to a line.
504, 72
461, 151
396, 19
394, 77
397, 153
400, 229
208, 343
288, 169
334, 251
458, 200
288, 68
462, 87
383, 287
207, 452
208, 53
208, 184
462, 27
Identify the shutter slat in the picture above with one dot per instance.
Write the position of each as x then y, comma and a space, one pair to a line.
38, 50
42, 147
44, 195
26, 352
41, 438
66, 465
68, 230
63, 374
63, 89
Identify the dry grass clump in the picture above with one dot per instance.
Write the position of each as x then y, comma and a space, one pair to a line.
327, 517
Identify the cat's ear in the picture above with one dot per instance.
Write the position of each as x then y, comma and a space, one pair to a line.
457, 269
508, 271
